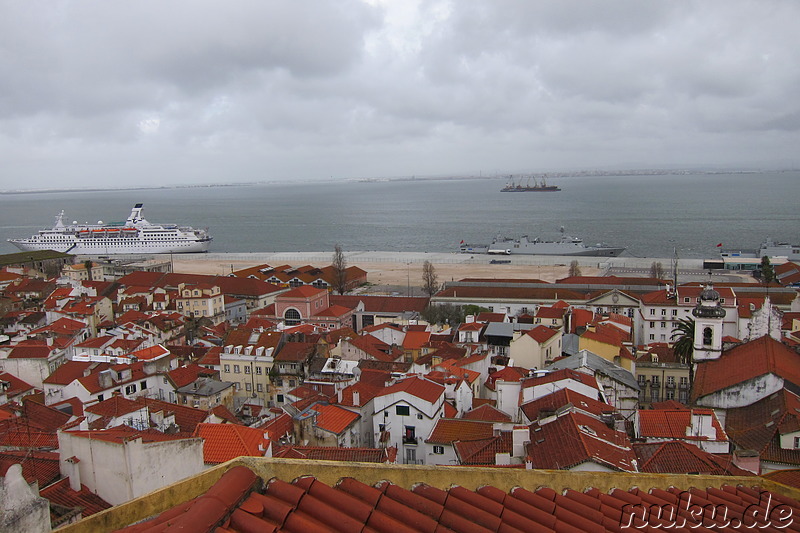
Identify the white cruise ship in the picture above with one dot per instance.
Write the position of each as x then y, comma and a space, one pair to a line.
135, 236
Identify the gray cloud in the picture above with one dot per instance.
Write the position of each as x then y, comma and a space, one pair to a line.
201, 91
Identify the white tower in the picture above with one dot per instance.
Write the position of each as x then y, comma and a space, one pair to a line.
708, 316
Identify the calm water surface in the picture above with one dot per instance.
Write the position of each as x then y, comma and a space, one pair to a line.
648, 214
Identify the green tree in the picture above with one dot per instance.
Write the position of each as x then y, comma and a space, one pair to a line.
443, 314
475, 310
767, 272
683, 345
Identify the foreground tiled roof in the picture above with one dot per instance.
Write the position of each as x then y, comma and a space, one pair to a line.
487, 413
238, 503
421, 388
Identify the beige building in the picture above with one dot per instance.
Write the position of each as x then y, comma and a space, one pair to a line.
536, 347
201, 301
79, 272
246, 361
661, 377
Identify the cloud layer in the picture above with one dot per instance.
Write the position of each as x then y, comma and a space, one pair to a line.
151, 92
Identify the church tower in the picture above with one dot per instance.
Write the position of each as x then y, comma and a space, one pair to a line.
708, 316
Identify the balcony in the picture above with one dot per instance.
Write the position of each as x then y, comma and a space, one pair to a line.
669, 385
410, 440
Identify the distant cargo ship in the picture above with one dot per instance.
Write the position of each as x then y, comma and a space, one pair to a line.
134, 236
566, 245
538, 186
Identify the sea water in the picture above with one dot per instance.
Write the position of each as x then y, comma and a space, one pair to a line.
651, 215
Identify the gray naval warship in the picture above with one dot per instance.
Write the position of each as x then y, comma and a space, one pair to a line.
566, 245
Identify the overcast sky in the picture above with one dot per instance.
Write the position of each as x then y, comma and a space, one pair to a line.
155, 92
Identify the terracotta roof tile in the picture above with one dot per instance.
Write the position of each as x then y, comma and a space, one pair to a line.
42, 467
421, 388
447, 430
308, 504
675, 423
61, 494
746, 361
675, 457
223, 442
487, 413
333, 418
574, 439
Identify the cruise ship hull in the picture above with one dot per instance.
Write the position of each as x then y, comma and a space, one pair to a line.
135, 236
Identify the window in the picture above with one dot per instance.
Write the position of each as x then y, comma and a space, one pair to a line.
259, 387
686, 300
130, 389
670, 395
663, 324
226, 368
279, 398
292, 383
292, 366
663, 312
279, 382
671, 381
291, 317
235, 369
674, 312
143, 385
439, 450
652, 311
491, 309
246, 369
402, 410
797, 442
652, 324
655, 381
419, 417
708, 337
652, 337
99, 397
684, 382
409, 435
258, 370
247, 387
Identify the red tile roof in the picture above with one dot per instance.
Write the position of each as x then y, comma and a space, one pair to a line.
308, 504
756, 358
759, 426
333, 418
559, 375
42, 467
483, 451
509, 373
186, 375
15, 385
279, 427
61, 494
330, 453
547, 405
541, 333
574, 439
115, 406
223, 442
414, 340
487, 413
675, 457
675, 423
416, 386
186, 418
72, 370
382, 304
447, 430
121, 434
30, 352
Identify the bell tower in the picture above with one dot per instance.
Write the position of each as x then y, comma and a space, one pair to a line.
708, 316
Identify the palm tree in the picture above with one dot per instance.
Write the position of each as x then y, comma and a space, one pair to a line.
683, 344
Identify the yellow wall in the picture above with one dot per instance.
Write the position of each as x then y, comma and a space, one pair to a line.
442, 477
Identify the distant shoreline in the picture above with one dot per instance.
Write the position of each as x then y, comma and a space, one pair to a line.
377, 179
